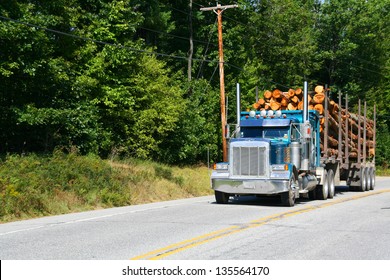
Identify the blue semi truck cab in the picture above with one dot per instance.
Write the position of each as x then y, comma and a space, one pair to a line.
272, 153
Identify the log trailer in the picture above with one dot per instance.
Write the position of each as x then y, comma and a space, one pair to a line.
279, 153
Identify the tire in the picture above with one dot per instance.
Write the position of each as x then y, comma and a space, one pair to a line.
221, 198
331, 189
373, 179
323, 190
288, 198
367, 172
363, 181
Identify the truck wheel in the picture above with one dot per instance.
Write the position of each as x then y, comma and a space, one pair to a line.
363, 181
288, 198
221, 198
367, 172
331, 190
323, 190
372, 179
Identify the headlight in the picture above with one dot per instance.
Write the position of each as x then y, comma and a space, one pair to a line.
280, 171
221, 166
279, 167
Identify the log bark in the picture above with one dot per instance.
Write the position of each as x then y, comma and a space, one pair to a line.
319, 108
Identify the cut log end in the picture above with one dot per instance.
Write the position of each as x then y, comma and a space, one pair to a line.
319, 98
275, 106
267, 95
292, 106
276, 94
319, 89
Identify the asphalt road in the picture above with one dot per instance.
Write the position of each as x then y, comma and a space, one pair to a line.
352, 226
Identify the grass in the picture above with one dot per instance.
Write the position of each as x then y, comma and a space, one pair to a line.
382, 172
34, 186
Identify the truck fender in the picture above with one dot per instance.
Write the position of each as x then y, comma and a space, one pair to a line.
321, 175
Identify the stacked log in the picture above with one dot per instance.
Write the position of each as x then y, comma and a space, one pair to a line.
293, 100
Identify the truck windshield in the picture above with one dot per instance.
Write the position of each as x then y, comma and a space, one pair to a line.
265, 132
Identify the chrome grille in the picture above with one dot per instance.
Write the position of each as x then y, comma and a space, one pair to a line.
249, 161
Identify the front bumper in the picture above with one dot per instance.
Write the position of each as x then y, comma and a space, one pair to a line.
260, 186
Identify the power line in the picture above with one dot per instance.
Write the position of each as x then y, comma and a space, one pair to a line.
212, 76
183, 12
362, 67
207, 48
202, 60
270, 35
358, 66
175, 36
366, 61
232, 19
103, 42
112, 44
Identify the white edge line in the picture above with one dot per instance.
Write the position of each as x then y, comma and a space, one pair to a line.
89, 219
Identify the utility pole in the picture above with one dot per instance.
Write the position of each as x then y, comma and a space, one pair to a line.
191, 50
219, 10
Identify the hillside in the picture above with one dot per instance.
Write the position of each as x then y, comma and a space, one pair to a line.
33, 186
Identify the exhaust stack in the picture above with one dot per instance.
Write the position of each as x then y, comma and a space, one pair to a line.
305, 130
238, 110
305, 102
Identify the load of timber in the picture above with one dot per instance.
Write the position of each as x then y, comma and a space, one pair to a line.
293, 100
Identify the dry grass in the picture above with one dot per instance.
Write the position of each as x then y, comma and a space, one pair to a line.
35, 186
152, 182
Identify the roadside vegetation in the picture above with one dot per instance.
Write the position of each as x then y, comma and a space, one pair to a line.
382, 172
34, 185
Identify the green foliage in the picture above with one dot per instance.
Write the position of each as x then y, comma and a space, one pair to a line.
167, 173
195, 134
34, 185
382, 154
93, 90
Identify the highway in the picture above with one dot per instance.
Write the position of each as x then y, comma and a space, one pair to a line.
352, 226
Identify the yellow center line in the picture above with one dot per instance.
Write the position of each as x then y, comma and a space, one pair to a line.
205, 238
183, 243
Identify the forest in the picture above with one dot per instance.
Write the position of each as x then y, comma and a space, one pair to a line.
140, 78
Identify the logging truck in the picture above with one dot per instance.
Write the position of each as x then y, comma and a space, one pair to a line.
291, 152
